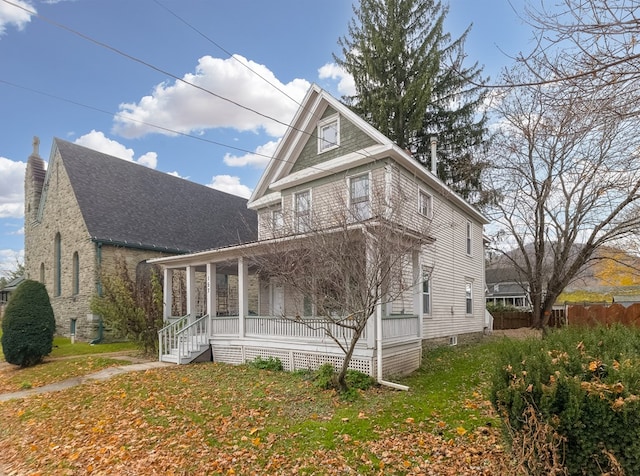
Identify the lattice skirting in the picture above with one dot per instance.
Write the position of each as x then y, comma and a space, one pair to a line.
402, 360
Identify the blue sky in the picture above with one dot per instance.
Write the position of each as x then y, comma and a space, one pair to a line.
56, 82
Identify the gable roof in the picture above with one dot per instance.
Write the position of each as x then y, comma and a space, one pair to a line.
127, 204
277, 175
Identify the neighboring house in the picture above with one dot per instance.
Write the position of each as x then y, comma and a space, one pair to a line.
328, 160
5, 292
506, 288
87, 209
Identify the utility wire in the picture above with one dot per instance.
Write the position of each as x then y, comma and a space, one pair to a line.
156, 126
231, 55
177, 78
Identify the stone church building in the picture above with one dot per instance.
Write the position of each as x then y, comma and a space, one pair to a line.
85, 209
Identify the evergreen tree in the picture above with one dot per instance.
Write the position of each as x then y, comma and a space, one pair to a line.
411, 84
28, 325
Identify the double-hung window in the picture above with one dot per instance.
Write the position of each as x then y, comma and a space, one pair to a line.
328, 134
469, 238
469, 297
302, 204
425, 204
426, 291
359, 197
277, 219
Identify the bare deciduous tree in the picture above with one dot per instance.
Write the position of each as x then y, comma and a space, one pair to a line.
587, 42
568, 167
352, 259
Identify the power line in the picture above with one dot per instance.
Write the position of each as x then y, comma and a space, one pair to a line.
177, 78
156, 126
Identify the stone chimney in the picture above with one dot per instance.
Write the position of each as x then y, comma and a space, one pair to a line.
33, 183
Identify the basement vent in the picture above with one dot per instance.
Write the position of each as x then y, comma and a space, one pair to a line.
453, 340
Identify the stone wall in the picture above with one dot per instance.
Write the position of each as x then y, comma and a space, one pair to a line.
60, 214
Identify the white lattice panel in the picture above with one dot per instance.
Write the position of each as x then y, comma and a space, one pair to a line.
228, 355
304, 360
250, 353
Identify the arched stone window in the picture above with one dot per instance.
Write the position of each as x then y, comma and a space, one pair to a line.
57, 266
42, 273
76, 273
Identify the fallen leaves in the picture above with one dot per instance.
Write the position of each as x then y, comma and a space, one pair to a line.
201, 421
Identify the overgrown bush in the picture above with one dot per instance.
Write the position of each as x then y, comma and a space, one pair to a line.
573, 397
28, 325
270, 363
326, 378
133, 309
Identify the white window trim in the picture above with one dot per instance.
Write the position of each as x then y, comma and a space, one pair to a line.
429, 214
349, 204
321, 125
427, 272
295, 209
469, 239
274, 225
468, 282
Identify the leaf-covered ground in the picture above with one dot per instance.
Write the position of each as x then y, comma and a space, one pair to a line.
218, 419
14, 378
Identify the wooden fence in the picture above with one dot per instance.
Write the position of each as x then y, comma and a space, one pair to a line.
576, 315
591, 315
518, 319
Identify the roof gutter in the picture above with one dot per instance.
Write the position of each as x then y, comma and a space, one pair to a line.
138, 245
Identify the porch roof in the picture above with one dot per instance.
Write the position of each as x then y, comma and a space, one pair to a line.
227, 253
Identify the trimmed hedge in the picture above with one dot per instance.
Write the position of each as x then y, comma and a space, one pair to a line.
581, 384
28, 325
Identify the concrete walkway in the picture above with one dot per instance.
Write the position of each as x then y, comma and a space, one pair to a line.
72, 382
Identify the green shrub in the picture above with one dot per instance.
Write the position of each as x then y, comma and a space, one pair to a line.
270, 363
582, 386
28, 325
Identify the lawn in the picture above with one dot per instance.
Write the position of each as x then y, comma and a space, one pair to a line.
218, 419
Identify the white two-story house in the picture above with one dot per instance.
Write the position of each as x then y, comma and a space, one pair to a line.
334, 171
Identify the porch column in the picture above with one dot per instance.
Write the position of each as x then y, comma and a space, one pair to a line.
211, 290
243, 294
167, 293
417, 293
191, 291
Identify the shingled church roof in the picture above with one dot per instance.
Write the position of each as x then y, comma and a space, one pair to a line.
131, 205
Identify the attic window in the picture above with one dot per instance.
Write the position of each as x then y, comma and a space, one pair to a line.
328, 134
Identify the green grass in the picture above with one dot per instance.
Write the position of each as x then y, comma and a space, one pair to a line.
216, 418
62, 347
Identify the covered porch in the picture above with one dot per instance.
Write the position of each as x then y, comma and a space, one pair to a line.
218, 306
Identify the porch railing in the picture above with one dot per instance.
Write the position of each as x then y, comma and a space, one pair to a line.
305, 328
183, 334
399, 326
393, 327
193, 336
168, 335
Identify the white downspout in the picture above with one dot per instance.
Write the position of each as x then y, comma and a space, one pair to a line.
397, 386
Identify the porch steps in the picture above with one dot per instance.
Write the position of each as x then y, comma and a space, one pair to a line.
198, 345
185, 340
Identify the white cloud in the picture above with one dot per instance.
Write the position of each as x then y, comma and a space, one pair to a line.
346, 84
11, 15
96, 140
11, 188
259, 159
176, 174
9, 260
230, 184
183, 108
